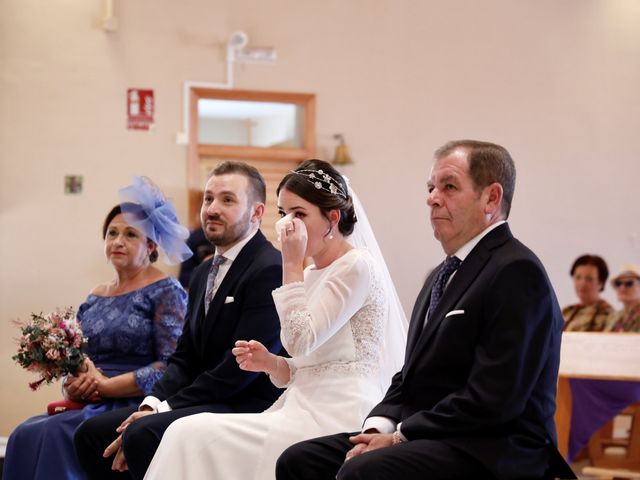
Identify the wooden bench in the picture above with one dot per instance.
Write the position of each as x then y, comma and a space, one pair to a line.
604, 356
598, 355
626, 451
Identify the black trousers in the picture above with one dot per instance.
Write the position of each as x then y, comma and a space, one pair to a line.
139, 442
323, 459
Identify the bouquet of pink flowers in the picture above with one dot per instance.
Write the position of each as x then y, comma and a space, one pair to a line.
51, 345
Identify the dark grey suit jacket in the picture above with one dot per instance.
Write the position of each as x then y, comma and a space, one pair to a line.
203, 370
482, 374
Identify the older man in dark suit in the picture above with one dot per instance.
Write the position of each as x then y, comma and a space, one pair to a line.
229, 300
476, 396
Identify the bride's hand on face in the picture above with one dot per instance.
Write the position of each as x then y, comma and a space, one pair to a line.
294, 243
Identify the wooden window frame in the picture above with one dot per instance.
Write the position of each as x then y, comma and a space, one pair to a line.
198, 151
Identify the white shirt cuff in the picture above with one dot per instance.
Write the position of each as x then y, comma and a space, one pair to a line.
150, 401
404, 439
382, 424
164, 407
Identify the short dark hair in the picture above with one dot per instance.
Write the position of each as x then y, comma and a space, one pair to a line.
258, 188
117, 210
596, 261
488, 163
304, 187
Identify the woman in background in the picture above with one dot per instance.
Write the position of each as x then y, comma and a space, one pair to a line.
627, 285
589, 273
341, 323
132, 324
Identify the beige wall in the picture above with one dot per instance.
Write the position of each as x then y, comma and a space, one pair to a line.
554, 81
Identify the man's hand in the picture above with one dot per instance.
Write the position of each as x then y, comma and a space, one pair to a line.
113, 447
135, 416
366, 442
119, 462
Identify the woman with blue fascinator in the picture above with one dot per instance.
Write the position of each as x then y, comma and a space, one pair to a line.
132, 323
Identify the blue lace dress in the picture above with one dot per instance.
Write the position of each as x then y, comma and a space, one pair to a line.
136, 331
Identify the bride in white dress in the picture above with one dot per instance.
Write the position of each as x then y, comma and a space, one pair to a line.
341, 322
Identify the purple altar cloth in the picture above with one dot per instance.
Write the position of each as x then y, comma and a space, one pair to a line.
595, 402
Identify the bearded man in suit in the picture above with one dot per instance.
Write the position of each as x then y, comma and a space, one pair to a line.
476, 395
229, 300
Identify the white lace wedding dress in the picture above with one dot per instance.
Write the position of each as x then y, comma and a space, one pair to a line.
333, 328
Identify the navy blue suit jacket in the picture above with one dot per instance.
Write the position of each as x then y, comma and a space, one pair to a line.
203, 370
481, 376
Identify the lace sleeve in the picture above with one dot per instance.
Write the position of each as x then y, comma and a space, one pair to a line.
168, 318
308, 320
292, 374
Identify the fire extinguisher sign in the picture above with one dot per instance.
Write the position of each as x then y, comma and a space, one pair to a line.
140, 107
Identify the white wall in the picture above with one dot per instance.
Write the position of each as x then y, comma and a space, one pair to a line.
215, 130
556, 82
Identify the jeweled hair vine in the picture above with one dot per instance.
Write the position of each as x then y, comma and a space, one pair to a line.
322, 181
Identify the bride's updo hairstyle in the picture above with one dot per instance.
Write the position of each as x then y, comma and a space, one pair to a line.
319, 183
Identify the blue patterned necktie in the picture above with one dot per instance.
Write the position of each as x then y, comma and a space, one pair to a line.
211, 280
451, 264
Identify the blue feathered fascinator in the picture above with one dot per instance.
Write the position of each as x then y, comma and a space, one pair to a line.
145, 208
